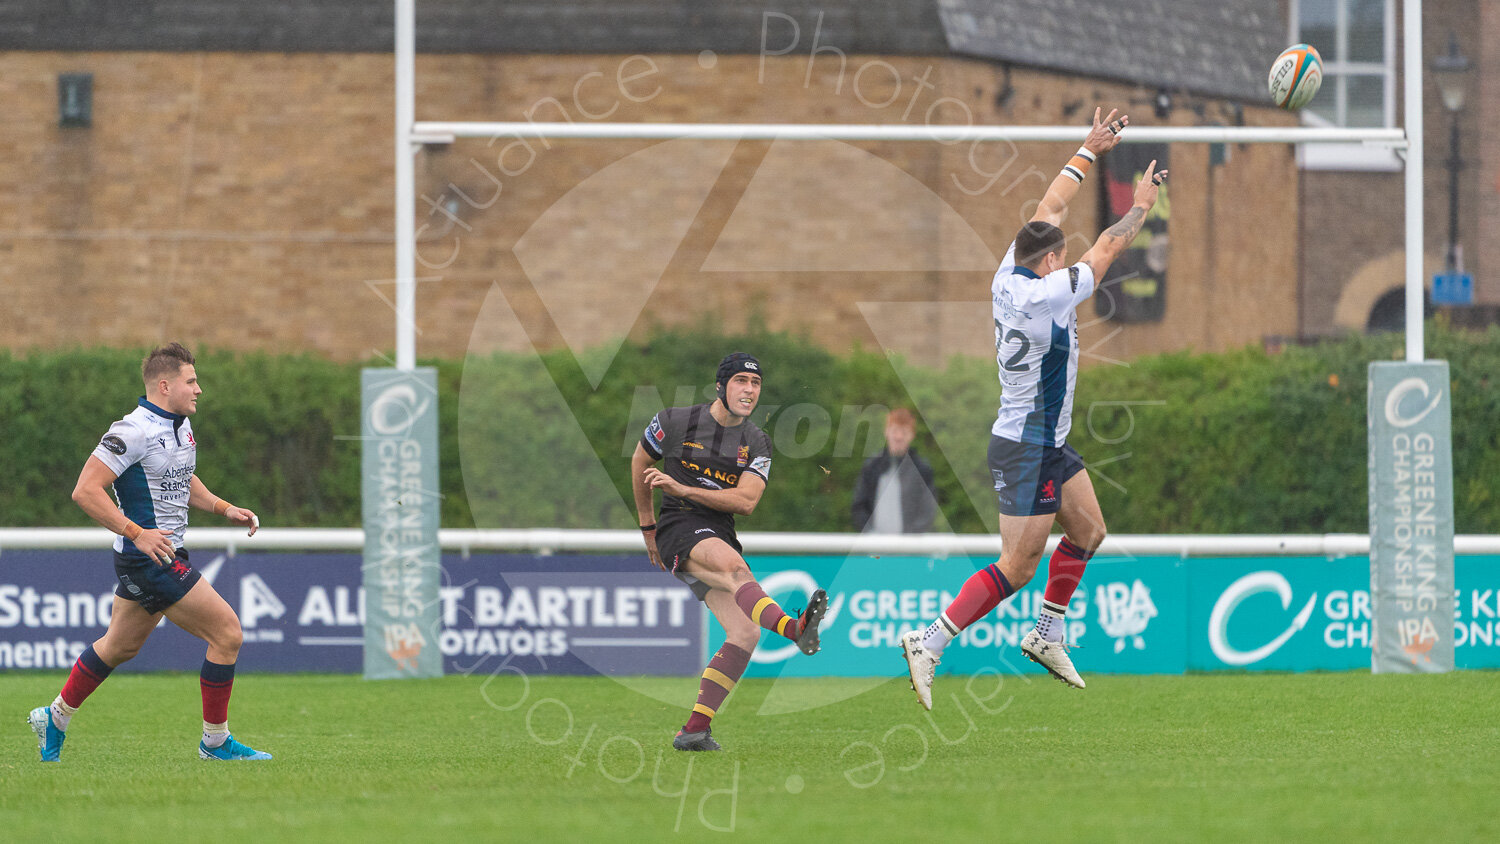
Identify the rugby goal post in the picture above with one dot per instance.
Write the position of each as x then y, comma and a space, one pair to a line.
1409, 613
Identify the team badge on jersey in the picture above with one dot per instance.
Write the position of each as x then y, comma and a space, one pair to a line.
744, 456
1049, 493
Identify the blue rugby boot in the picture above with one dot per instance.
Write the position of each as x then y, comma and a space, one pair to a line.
49, 739
230, 751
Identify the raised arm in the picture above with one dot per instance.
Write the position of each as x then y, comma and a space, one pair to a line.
1120, 235
1101, 139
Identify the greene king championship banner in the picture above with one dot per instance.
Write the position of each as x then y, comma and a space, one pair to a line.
400, 506
1142, 615
1411, 517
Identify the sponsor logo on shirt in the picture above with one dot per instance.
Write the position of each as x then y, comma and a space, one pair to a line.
698, 446
708, 472
113, 444
703, 530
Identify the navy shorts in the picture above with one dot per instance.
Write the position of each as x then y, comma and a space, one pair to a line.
154, 586
679, 532
1029, 478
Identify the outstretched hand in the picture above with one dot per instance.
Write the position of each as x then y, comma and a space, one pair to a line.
1149, 185
242, 516
1105, 135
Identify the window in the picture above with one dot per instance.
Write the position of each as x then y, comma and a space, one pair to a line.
1357, 40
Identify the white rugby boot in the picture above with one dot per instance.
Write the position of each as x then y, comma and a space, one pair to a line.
921, 664
1052, 656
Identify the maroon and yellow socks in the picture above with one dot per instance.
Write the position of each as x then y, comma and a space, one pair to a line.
755, 603
723, 671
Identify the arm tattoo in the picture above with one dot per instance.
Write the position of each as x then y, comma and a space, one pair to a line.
1129, 225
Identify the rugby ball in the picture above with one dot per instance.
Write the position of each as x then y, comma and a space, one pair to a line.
1295, 76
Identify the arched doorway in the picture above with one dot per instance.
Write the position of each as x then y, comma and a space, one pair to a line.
1389, 311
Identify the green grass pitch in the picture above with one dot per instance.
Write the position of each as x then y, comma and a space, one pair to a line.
1328, 757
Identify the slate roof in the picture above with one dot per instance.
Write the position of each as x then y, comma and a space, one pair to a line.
470, 26
1220, 47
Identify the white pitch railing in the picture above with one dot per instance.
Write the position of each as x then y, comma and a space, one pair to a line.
555, 541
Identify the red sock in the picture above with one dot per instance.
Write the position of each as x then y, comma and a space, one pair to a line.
216, 681
756, 604
88, 672
982, 592
1064, 571
723, 671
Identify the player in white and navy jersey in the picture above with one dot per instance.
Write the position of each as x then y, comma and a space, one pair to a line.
715, 464
1039, 478
149, 459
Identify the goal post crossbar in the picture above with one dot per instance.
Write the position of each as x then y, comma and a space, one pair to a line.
441, 132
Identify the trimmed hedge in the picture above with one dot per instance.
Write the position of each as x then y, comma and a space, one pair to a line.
1241, 442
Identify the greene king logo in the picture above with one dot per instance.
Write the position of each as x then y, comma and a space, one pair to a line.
396, 410
1393, 403
1253, 584
1124, 612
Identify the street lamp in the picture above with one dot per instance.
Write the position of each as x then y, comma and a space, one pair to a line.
1452, 74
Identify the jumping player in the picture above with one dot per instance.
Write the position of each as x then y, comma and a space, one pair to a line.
150, 459
716, 464
1038, 476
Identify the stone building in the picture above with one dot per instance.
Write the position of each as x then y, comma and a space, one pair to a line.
1352, 242
225, 176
